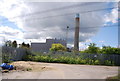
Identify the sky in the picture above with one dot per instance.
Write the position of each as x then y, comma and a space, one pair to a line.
37, 21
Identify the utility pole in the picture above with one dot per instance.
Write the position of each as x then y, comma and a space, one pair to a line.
67, 35
118, 26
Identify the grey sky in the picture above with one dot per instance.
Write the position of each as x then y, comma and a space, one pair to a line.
56, 26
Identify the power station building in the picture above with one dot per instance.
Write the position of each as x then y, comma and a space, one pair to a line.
44, 47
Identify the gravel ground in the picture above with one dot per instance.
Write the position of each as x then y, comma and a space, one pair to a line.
65, 71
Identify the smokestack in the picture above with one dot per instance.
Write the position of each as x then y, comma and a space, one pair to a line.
76, 36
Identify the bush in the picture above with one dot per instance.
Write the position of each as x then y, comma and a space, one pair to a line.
66, 58
57, 47
97, 62
83, 61
28, 58
109, 63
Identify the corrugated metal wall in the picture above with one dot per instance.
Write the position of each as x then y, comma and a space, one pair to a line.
14, 53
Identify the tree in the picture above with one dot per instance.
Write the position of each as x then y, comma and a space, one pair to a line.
8, 43
92, 49
110, 50
14, 44
57, 47
23, 45
27, 45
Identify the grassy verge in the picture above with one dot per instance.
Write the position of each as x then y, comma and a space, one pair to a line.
114, 78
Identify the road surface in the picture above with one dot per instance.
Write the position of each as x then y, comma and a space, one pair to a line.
66, 71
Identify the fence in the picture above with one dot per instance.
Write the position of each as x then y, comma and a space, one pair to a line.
18, 53
13, 53
104, 59
113, 58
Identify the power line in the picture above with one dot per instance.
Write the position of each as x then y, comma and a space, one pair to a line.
95, 27
100, 26
49, 10
73, 28
75, 13
69, 14
83, 27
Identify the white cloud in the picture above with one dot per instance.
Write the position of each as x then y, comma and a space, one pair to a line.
39, 28
38, 40
9, 33
1, 40
112, 17
82, 46
13, 8
102, 41
89, 40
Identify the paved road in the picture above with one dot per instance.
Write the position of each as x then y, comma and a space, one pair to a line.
66, 71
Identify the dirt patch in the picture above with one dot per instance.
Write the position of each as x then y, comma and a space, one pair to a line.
30, 66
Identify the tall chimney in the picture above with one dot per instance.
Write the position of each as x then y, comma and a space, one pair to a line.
76, 36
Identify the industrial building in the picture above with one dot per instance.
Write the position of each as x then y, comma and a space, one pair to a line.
44, 47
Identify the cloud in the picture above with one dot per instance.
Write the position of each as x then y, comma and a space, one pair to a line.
12, 8
9, 33
40, 24
1, 40
101, 41
112, 17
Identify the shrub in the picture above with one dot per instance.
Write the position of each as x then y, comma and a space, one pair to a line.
83, 61
57, 47
107, 62
28, 58
97, 62
67, 58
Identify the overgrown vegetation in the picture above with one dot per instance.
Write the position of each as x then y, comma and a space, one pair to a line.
92, 56
67, 58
